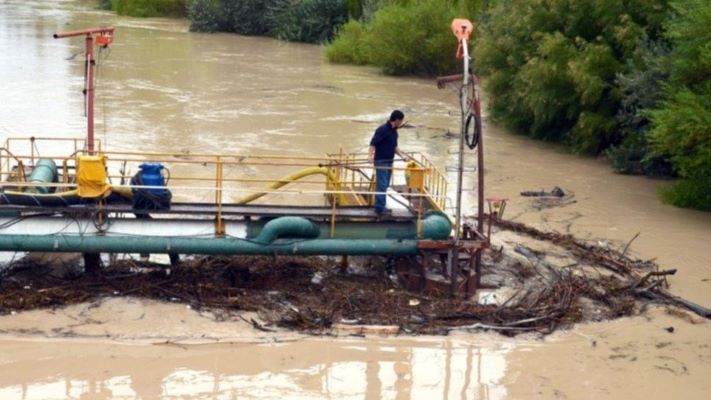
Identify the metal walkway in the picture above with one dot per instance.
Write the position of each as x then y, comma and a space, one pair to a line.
364, 213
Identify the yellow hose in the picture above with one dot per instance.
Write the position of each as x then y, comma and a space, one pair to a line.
330, 178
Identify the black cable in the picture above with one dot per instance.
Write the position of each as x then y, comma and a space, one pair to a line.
472, 139
100, 219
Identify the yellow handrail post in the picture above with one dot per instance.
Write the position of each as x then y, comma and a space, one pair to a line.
65, 171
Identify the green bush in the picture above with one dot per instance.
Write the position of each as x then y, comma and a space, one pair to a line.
206, 16
681, 131
297, 20
680, 124
349, 48
407, 38
313, 21
355, 9
640, 91
245, 17
552, 65
689, 193
248, 17
150, 8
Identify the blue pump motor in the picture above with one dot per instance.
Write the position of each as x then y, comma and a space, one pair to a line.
155, 198
151, 176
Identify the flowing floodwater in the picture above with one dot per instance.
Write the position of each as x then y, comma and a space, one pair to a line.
162, 88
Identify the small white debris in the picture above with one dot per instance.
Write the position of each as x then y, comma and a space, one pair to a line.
167, 272
317, 278
414, 302
27, 287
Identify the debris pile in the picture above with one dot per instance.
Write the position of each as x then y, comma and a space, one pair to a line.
535, 282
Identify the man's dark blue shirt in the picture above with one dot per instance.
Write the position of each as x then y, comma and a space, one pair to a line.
385, 141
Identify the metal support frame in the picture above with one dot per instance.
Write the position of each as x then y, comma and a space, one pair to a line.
458, 258
101, 36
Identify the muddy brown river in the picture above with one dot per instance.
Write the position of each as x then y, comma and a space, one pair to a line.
162, 87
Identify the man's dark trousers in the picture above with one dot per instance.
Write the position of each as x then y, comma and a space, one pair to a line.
383, 172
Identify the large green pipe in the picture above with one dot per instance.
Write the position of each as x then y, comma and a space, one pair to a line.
183, 245
287, 227
45, 171
283, 235
435, 226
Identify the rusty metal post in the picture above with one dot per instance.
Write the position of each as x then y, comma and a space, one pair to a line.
89, 88
480, 160
88, 75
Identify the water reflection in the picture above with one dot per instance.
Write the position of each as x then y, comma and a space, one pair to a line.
317, 369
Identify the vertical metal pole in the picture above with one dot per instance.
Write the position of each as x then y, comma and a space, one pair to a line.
32, 151
90, 93
453, 258
460, 167
480, 163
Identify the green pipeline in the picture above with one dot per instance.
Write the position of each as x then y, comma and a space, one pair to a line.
224, 246
283, 235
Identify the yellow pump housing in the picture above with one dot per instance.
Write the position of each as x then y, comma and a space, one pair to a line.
414, 176
91, 176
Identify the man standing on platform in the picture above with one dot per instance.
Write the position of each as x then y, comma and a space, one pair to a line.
381, 153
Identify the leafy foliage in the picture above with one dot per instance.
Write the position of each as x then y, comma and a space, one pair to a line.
552, 64
206, 16
355, 9
312, 21
689, 193
402, 38
349, 47
248, 17
640, 91
298, 20
681, 123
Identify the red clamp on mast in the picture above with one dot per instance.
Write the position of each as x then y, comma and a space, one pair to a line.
462, 28
103, 38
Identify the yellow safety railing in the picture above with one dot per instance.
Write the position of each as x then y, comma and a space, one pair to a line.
342, 179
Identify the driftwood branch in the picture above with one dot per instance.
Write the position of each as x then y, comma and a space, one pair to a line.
624, 251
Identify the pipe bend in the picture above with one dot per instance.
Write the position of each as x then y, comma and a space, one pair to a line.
298, 227
436, 226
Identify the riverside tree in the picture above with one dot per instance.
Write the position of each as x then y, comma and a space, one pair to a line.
552, 65
681, 124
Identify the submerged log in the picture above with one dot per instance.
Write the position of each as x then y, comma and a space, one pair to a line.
556, 192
